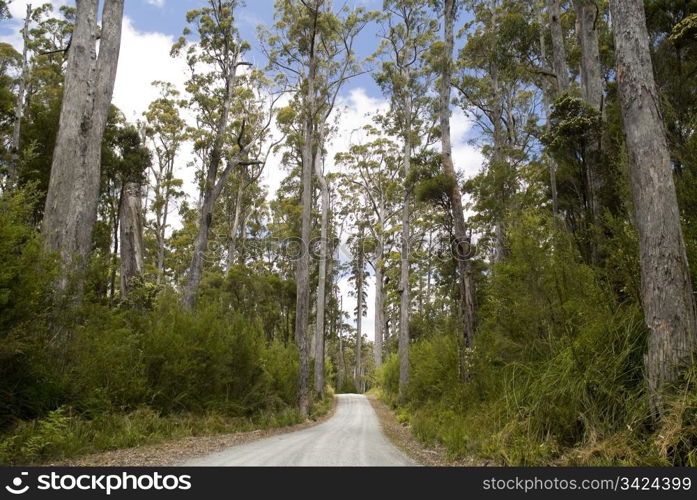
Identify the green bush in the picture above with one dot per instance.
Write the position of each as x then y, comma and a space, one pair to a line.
556, 374
27, 389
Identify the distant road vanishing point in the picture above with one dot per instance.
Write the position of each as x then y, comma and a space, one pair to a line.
352, 437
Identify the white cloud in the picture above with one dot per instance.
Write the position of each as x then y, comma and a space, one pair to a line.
144, 58
157, 3
18, 8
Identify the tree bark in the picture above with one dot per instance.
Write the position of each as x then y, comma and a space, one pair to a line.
667, 297
131, 231
460, 227
73, 192
321, 288
561, 69
19, 106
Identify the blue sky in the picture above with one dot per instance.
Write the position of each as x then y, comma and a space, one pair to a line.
168, 17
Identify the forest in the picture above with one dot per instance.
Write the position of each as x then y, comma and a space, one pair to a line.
537, 310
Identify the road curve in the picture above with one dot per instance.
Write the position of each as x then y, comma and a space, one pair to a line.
352, 437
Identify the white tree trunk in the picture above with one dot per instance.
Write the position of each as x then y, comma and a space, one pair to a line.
466, 284
321, 287
561, 69
404, 286
19, 106
73, 192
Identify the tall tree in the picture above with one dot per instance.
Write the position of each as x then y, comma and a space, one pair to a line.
214, 61
374, 169
407, 33
587, 22
73, 192
312, 47
666, 289
19, 107
462, 243
167, 131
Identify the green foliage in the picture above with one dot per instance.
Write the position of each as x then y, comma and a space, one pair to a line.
556, 375
90, 371
26, 274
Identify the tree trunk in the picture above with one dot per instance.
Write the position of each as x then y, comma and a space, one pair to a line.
321, 288
115, 253
211, 188
498, 160
162, 219
404, 286
379, 290
359, 316
19, 106
131, 223
547, 102
587, 13
561, 70
235, 227
73, 192
667, 297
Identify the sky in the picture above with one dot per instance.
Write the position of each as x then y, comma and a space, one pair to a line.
149, 31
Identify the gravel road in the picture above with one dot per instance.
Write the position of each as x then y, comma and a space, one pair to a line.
352, 437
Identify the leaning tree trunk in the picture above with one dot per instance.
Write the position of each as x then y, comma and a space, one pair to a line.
73, 192
561, 69
211, 184
460, 227
404, 286
131, 230
321, 288
667, 297
19, 106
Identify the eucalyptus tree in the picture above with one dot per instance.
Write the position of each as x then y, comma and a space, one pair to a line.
666, 289
166, 130
214, 60
462, 244
21, 91
373, 170
495, 91
312, 47
408, 30
73, 193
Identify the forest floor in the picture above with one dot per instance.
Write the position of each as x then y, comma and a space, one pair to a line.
178, 451
401, 436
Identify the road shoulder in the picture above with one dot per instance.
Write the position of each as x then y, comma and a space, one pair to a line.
178, 451
401, 436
